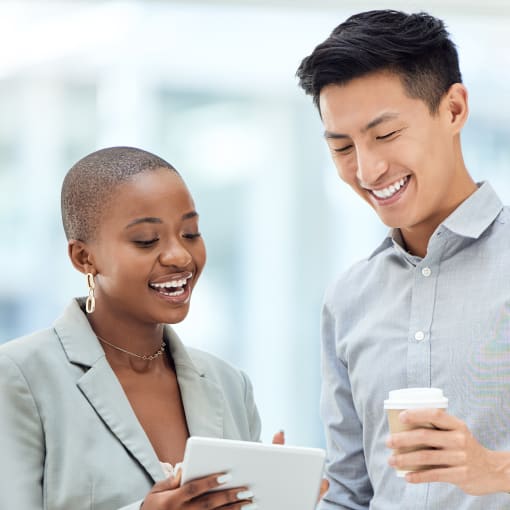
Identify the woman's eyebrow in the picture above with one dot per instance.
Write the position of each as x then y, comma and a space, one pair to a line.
189, 215
148, 219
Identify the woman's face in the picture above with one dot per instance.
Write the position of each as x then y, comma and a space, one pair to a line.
148, 252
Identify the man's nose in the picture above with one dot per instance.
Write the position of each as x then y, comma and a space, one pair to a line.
175, 254
371, 167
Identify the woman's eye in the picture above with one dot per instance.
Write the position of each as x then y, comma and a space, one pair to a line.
383, 137
146, 243
191, 235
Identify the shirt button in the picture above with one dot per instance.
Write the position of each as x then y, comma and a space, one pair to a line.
426, 271
419, 335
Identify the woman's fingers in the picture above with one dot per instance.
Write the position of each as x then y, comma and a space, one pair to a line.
167, 484
200, 486
228, 498
279, 437
324, 488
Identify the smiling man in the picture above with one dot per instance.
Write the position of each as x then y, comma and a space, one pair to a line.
430, 307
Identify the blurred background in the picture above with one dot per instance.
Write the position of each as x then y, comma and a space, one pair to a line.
210, 87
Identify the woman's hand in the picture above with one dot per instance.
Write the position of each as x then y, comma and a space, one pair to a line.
196, 495
279, 438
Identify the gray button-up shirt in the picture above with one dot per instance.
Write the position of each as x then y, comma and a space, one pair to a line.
396, 320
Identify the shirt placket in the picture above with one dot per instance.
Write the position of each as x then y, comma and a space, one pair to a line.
426, 273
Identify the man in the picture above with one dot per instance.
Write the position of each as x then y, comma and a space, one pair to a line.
430, 307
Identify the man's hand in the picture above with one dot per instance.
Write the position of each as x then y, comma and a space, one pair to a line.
451, 454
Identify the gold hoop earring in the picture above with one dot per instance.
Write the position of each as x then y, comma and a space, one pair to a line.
90, 304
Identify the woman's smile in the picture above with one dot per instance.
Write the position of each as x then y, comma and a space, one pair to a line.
174, 288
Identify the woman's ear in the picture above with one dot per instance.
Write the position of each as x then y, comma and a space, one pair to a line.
456, 104
81, 256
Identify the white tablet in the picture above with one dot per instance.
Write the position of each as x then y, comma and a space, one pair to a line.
280, 477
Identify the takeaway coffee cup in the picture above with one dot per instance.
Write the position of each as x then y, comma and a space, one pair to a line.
411, 398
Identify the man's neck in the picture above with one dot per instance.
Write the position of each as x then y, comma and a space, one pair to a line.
416, 238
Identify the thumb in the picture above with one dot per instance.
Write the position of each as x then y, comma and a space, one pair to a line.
170, 483
279, 437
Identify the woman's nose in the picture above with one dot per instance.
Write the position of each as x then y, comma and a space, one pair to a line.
175, 254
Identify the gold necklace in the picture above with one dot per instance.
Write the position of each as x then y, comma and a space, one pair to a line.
145, 357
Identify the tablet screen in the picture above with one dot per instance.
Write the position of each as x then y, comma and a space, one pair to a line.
281, 477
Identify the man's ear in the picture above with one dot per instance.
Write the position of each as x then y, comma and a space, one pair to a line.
456, 105
81, 257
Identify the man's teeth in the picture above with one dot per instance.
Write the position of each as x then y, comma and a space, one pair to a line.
390, 190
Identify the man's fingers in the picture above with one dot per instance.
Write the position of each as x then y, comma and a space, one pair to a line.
449, 475
425, 438
428, 459
437, 418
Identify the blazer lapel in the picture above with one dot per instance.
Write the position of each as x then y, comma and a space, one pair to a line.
202, 398
103, 390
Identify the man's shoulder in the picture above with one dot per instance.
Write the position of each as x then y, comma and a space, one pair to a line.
361, 274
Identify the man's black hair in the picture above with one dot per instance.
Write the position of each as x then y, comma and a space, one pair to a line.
416, 47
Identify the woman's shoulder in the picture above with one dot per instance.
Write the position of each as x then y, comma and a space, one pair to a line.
204, 363
33, 356
30, 345
207, 363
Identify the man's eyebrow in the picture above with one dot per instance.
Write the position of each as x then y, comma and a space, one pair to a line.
372, 124
379, 120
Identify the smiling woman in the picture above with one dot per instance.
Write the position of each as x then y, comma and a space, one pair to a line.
129, 392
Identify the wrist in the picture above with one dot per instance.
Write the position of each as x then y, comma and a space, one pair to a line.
500, 464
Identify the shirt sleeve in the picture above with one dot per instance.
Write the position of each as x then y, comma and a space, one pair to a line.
21, 441
251, 409
346, 471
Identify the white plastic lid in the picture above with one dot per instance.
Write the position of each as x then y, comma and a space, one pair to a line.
416, 398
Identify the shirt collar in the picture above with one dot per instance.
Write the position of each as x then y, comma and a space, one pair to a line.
471, 218
476, 213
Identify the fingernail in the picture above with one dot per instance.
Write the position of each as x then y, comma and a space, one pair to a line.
244, 495
250, 506
224, 478
403, 416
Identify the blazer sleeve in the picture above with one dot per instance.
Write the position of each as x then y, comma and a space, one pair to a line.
21, 441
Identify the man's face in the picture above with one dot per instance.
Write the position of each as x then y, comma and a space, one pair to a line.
400, 158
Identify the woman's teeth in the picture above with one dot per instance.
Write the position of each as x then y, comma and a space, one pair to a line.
390, 190
165, 288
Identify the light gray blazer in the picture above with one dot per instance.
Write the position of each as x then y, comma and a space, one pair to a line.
69, 439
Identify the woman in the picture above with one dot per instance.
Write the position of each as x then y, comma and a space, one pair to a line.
95, 410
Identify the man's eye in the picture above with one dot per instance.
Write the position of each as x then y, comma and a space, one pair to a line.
343, 149
146, 243
191, 235
383, 137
